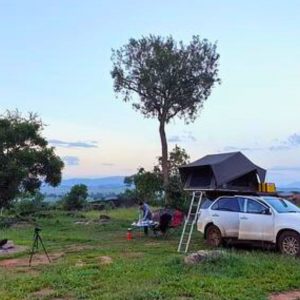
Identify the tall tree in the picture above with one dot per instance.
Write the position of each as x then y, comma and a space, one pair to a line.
26, 160
171, 79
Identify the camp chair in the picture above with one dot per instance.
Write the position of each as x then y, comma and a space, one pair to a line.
176, 222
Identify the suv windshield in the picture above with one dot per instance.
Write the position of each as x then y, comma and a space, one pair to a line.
281, 205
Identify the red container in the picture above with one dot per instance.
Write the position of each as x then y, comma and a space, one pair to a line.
129, 234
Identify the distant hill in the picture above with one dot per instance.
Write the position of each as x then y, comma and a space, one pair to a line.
105, 185
293, 185
111, 181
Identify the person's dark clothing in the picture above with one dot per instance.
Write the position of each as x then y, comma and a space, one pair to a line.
164, 222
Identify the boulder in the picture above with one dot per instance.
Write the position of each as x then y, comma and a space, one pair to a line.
203, 255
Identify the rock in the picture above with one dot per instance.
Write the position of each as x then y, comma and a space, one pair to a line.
203, 255
82, 222
105, 260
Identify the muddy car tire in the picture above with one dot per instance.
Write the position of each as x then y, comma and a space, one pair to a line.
289, 243
214, 236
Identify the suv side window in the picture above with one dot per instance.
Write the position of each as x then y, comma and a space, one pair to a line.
242, 202
253, 207
227, 204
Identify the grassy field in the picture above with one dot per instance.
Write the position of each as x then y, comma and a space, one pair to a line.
99, 263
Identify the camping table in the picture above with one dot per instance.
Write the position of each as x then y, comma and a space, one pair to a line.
141, 224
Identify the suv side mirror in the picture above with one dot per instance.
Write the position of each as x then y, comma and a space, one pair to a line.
266, 211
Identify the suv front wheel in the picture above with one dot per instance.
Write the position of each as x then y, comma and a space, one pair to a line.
289, 243
213, 236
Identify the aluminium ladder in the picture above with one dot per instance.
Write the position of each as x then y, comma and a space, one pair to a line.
189, 223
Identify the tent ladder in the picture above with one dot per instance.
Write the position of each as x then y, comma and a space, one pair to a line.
190, 221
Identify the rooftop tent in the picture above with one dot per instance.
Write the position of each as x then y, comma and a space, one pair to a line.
225, 171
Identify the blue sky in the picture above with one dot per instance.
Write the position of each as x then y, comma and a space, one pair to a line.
55, 60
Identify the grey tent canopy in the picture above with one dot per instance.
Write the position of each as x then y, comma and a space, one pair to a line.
225, 171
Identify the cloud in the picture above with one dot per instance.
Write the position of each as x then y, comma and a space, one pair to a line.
232, 148
107, 164
291, 142
174, 139
71, 160
187, 136
279, 148
79, 144
294, 139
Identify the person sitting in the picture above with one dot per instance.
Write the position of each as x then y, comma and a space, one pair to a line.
164, 222
146, 214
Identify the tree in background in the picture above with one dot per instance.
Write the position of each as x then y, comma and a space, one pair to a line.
76, 198
170, 78
177, 157
149, 184
26, 160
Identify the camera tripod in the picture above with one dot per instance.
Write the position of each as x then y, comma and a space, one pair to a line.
35, 246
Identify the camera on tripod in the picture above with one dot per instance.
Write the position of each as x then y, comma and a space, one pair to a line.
37, 240
37, 229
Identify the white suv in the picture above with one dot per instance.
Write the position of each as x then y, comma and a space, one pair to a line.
252, 218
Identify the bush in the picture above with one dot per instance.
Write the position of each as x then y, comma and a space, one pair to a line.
76, 198
28, 204
6, 222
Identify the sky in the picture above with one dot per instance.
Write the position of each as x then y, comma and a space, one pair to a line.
55, 60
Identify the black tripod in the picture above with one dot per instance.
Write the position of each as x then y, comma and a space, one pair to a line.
35, 246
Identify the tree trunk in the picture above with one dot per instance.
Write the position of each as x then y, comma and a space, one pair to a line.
164, 158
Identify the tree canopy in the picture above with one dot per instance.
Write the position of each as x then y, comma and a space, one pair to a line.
171, 79
26, 160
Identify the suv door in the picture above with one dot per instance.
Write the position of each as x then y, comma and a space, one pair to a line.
225, 214
257, 222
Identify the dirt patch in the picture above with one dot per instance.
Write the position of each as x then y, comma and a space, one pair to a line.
105, 260
133, 254
80, 263
28, 271
43, 293
152, 244
104, 219
78, 248
293, 295
38, 259
64, 298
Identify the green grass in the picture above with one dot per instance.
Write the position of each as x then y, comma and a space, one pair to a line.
144, 268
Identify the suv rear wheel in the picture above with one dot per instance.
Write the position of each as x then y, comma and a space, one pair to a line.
213, 236
289, 243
